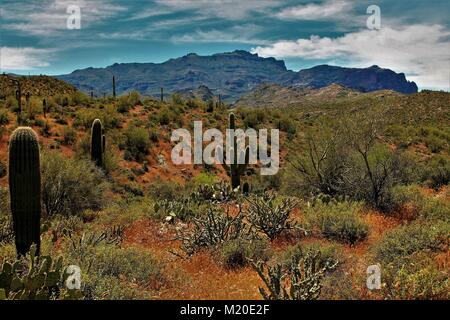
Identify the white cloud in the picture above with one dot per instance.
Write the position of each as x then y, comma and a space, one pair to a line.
24, 58
226, 9
49, 17
326, 10
236, 34
419, 51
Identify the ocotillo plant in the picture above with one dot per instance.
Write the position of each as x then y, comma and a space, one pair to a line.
114, 86
25, 188
97, 141
235, 169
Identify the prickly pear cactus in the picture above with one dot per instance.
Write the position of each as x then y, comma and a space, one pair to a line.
25, 188
34, 278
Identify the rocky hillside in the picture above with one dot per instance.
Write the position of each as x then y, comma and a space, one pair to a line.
35, 85
273, 95
202, 93
229, 74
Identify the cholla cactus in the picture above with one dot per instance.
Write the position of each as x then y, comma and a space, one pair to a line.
301, 279
25, 188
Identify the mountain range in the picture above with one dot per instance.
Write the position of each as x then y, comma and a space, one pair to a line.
231, 75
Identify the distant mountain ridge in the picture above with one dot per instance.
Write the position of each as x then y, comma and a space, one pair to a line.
230, 74
276, 96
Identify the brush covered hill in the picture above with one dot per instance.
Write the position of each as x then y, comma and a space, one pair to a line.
41, 86
276, 96
229, 74
149, 213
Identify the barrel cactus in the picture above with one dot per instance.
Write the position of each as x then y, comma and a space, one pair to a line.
97, 143
25, 188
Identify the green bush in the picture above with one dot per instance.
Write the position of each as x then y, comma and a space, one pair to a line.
4, 119
437, 172
338, 221
70, 186
69, 136
421, 206
415, 277
137, 143
327, 253
238, 253
417, 236
135, 265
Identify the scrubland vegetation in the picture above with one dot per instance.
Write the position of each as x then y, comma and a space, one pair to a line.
363, 181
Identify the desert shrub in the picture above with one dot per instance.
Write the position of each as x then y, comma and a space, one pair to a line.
420, 206
321, 167
176, 99
4, 119
137, 143
164, 116
327, 253
163, 189
70, 186
78, 98
270, 215
415, 277
123, 104
286, 124
183, 209
300, 280
238, 253
417, 236
135, 265
69, 136
437, 172
338, 221
212, 228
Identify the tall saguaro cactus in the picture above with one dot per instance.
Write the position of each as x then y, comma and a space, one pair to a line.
25, 188
19, 100
114, 86
235, 169
162, 94
97, 143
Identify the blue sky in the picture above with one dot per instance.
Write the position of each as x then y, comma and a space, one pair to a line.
413, 37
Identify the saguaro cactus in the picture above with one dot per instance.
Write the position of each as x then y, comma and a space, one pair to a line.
162, 94
25, 188
27, 100
97, 143
44, 107
114, 86
235, 169
19, 100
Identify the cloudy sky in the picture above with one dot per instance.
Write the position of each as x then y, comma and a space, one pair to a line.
414, 35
